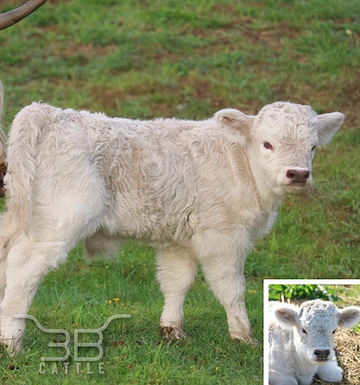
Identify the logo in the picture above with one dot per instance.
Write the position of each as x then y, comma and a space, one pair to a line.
77, 344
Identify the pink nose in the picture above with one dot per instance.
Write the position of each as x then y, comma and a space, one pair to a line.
298, 176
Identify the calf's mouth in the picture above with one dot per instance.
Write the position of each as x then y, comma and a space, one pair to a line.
322, 359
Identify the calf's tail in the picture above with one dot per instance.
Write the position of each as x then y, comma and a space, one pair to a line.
23, 140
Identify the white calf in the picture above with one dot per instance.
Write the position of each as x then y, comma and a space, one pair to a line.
302, 341
202, 192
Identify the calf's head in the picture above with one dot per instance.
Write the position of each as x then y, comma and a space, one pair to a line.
281, 142
315, 324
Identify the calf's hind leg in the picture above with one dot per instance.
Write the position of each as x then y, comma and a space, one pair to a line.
28, 262
32, 257
9, 235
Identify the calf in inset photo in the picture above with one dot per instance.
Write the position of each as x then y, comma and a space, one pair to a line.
301, 341
202, 192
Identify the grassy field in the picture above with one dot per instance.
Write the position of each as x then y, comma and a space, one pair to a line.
146, 59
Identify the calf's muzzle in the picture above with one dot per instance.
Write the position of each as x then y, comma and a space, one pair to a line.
298, 176
322, 354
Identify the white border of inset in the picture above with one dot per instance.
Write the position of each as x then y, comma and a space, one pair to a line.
268, 282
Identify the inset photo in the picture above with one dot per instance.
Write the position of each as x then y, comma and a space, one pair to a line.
311, 332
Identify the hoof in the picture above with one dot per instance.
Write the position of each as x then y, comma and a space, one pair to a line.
172, 334
245, 339
3, 350
11, 348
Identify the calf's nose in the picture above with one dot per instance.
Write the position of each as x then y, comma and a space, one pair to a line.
298, 175
322, 353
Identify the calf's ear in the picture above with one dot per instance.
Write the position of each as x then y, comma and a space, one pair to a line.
235, 120
286, 316
349, 316
328, 124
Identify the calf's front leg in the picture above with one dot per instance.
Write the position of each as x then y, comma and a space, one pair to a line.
177, 269
282, 379
330, 372
223, 260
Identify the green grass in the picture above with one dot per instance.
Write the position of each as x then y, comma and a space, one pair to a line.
188, 59
304, 291
77, 295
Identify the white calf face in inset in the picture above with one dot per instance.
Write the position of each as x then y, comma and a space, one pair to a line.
316, 323
316, 326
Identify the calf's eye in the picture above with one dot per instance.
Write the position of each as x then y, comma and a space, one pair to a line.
334, 331
268, 145
304, 331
